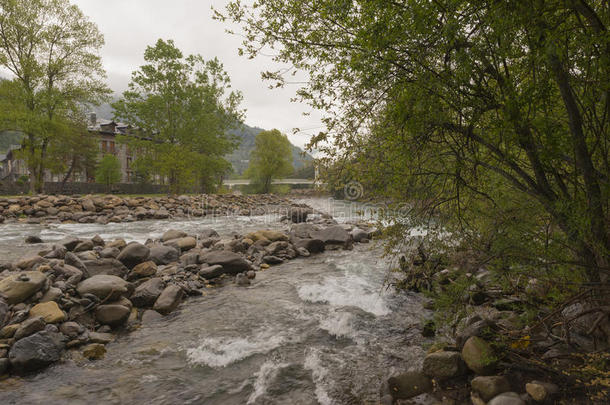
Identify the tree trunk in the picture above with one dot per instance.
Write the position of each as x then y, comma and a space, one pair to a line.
68, 174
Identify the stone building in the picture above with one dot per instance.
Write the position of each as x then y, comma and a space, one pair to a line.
12, 167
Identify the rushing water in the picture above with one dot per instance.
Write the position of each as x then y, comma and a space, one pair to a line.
322, 329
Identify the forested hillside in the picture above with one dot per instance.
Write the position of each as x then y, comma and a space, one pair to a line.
8, 138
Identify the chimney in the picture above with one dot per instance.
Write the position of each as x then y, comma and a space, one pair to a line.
92, 119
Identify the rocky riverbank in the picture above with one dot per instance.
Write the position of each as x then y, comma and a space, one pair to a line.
503, 344
72, 299
110, 208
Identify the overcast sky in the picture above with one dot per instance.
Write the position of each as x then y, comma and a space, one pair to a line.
130, 26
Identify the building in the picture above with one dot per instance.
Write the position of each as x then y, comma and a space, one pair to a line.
106, 131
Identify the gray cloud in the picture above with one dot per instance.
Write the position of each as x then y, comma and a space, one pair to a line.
130, 26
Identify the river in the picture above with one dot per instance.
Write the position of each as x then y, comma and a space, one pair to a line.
323, 329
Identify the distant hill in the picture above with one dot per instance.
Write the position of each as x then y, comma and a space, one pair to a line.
241, 156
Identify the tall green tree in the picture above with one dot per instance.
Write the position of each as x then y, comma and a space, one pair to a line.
108, 171
184, 109
271, 158
52, 51
465, 106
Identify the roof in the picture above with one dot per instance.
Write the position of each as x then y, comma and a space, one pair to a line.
119, 127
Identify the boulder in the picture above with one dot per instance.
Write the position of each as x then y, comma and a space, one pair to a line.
29, 327
33, 239
541, 391
104, 287
84, 246
147, 293
69, 242
28, 262
109, 267
100, 337
88, 205
112, 314
302, 231
310, 244
359, 235
49, 311
270, 235
133, 254
211, 272
232, 263
150, 316
3, 312
443, 365
208, 233
172, 234
71, 329
98, 241
409, 384
19, 287
333, 235
145, 269
186, 243
36, 351
507, 398
72, 260
479, 356
109, 253
94, 351
161, 254
169, 299
490, 386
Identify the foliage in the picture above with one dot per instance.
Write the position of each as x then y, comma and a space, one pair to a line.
271, 158
184, 113
108, 171
491, 117
52, 51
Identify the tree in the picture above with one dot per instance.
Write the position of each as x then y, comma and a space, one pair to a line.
52, 51
184, 110
473, 109
109, 170
271, 158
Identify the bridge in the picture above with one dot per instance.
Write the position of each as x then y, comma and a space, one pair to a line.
244, 182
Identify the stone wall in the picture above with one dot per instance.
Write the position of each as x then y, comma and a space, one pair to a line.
11, 188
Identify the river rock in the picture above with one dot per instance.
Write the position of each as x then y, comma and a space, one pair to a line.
100, 337
161, 254
409, 384
109, 267
28, 262
172, 234
117, 243
479, 356
4, 363
83, 246
359, 235
18, 287
98, 241
36, 351
232, 263
29, 327
94, 351
71, 329
88, 205
490, 386
150, 316
145, 269
186, 243
211, 272
72, 260
208, 233
104, 287
33, 239
169, 299
8, 331
69, 242
333, 236
507, 398
109, 253
49, 311
133, 254
3, 312
541, 391
442, 365
310, 244
147, 293
112, 314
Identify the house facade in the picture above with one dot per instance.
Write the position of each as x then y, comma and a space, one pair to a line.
13, 168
